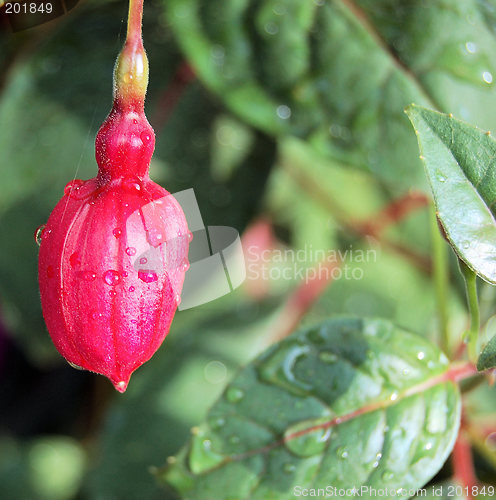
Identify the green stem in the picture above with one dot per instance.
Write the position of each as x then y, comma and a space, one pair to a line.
441, 278
473, 305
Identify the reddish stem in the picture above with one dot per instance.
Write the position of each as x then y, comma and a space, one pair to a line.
182, 78
135, 17
463, 465
303, 297
394, 212
455, 373
363, 229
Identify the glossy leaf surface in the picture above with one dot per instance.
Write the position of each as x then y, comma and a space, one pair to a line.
459, 162
350, 407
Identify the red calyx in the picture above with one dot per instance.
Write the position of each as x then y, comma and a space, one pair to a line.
114, 251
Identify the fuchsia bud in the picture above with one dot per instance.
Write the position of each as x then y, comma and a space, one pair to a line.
114, 250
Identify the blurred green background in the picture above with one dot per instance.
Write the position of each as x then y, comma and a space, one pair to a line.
292, 132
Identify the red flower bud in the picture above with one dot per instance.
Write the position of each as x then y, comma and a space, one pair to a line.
114, 250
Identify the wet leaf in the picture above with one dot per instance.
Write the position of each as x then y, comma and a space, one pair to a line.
487, 358
338, 73
349, 407
459, 162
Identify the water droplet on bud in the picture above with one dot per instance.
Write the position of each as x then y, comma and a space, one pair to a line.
143, 260
50, 272
72, 187
87, 275
77, 367
132, 184
112, 277
39, 234
117, 232
131, 289
190, 235
177, 298
131, 251
155, 237
147, 276
74, 260
145, 137
185, 265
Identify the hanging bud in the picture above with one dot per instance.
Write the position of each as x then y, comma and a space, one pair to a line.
114, 251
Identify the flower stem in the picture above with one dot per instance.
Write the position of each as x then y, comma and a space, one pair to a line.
472, 335
131, 67
440, 268
134, 20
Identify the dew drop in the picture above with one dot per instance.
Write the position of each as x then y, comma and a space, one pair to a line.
271, 28
77, 367
387, 475
132, 184
50, 272
145, 137
177, 298
288, 468
131, 288
466, 244
112, 293
87, 275
135, 121
283, 112
394, 396
487, 77
143, 260
328, 357
233, 394
39, 234
72, 187
189, 235
308, 437
341, 452
185, 265
471, 47
202, 457
421, 355
216, 423
117, 232
111, 277
74, 260
281, 368
234, 439
147, 276
131, 251
155, 237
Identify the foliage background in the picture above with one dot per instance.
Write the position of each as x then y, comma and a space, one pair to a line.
345, 152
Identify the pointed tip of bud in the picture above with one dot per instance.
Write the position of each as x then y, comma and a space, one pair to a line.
121, 385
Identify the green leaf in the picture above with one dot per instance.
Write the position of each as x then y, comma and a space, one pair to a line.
352, 403
458, 159
487, 358
338, 73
